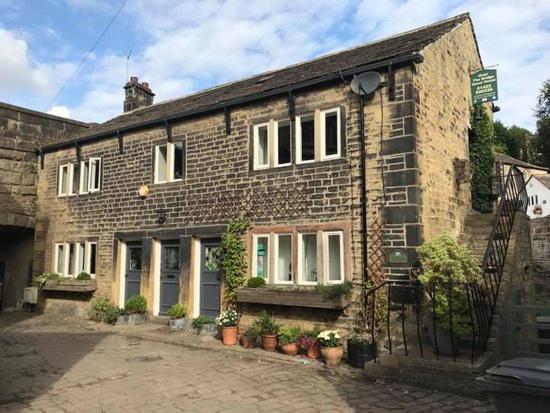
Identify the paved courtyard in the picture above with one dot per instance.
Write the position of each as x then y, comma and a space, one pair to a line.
54, 368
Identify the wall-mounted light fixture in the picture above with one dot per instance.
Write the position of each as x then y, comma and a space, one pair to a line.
161, 216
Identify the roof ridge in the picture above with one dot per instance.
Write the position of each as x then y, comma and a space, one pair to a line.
44, 114
304, 62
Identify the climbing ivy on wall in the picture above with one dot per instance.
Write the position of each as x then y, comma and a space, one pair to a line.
233, 258
482, 160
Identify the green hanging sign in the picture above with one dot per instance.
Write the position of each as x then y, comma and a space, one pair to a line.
484, 86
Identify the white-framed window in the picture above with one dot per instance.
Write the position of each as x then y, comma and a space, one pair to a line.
283, 259
91, 258
283, 143
305, 138
169, 162
307, 258
90, 176
333, 257
260, 261
64, 180
261, 146
73, 258
60, 258
331, 141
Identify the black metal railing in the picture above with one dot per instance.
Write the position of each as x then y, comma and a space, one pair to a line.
467, 307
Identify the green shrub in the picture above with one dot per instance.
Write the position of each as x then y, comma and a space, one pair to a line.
98, 307
233, 258
288, 335
255, 282
200, 321
110, 314
136, 304
251, 333
334, 290
265, 325
482, 160
83, 276
177, 311
40, 280
444, 261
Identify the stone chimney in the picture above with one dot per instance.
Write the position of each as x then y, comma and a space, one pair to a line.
138, 95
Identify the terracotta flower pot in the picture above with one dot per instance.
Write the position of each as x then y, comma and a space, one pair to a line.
269, 342
332, 355
248, 342
290, 349
314, 351
229, 336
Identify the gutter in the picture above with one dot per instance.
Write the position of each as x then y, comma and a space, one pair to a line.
414, 57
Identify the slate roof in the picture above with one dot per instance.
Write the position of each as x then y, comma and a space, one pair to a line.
543, 179
390, 48
506, 159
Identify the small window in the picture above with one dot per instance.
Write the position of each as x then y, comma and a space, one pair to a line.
80, 257
261, 146
60, 258
330, 134
177, 169
283, 263
283, 143
260, 264
161, 162
72, 260
75, 176
169, 162
63, 182
305, 138
91, 258
308, 258
95, 175
334, 263
84, 177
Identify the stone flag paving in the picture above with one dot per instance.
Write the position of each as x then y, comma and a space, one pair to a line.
55, 368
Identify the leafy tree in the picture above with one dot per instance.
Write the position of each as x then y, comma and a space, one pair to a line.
542, 112
482, 160
513, 141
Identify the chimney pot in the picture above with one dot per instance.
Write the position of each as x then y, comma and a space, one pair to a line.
137, 95
133, 79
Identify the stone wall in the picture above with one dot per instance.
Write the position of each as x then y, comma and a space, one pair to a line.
540, 239
442, 85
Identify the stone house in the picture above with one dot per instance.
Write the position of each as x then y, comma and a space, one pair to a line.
141, 201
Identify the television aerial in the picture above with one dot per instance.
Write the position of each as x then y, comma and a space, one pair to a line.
365, 83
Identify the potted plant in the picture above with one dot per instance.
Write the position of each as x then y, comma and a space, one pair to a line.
267, 329
309, 343
84, 276
228, 320
331, 347
448, 269
135, 309
177, 315
248, 339
288, 340
204, 325
255, 282
361, 348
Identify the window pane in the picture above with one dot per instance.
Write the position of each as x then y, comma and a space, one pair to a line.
71, 258
64, 179
80, 253
161, 163
308, 138
309, 257
171, 258
135, 258
334, 258
263, 146
284, 259
283, 143
331, 133
262, 259
93, 257
76, 177
178, 160
95, 166
85, 175
60, 266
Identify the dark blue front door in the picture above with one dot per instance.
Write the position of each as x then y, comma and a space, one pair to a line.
169, 275
133, 270
210, 278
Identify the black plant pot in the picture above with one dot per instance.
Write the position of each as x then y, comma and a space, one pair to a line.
359, 353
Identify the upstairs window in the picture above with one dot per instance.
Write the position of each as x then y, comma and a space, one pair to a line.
90, 176
330, 134
261, 146
283, 143
169, 162
305, 138
63, 180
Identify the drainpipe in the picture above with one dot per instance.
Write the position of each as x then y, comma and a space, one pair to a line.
362, 138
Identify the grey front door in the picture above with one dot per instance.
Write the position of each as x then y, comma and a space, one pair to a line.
133, 270
169, 275
210, 278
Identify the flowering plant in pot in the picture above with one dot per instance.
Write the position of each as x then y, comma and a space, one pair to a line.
331, 347
309, 343
228, 320
288, 340
267, 329
361, 348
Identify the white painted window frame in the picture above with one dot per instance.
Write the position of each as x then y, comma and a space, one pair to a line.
88, 257
171, 159
275, 258
298, 124
301, 275
276, 143
77, 246
326, 257
256, 144
91, 188
322, 121
157, 179
60, 193
56, 257
254, 265
170, 151
81, 189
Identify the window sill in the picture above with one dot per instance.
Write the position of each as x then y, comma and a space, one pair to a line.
74, 285
289, 296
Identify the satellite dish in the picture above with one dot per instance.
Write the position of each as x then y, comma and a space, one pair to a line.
365, 83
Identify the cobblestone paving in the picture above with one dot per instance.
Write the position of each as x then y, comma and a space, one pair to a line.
62, 370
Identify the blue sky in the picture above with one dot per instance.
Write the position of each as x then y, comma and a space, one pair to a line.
183, 46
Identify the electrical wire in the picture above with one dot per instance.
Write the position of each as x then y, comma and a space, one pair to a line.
71, 77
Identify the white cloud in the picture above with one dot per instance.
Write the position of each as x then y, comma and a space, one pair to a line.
62, 111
